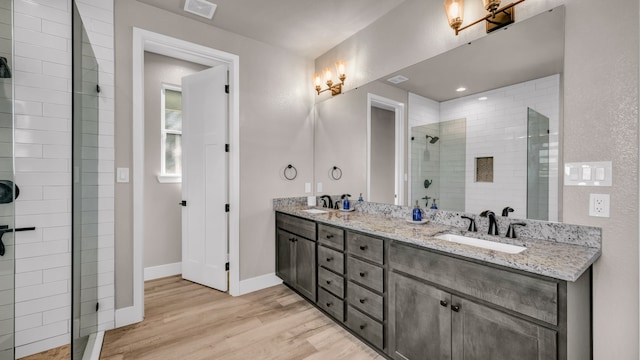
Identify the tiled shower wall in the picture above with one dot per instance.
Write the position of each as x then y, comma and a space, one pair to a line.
42, 71
497, 127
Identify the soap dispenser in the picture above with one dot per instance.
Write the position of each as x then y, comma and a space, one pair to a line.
417, 212
434, 206
360, 199
346, 204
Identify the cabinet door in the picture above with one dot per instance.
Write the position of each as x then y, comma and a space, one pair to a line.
419, 320
480, 332
305, 267
284, 244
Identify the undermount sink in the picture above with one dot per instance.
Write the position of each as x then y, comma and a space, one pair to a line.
485, 244
315, 211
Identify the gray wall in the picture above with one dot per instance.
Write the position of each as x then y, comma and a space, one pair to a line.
162, 215
276, 128
600, 123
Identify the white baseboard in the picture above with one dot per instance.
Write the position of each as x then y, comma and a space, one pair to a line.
127, 316
160, 271
259, 283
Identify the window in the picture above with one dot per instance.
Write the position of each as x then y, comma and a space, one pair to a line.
171, 143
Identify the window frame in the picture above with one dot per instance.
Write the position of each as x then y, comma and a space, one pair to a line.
165, 177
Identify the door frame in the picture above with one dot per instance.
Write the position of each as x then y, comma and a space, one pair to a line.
378, 101
144, 40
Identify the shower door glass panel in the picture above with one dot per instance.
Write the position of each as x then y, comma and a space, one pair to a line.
7, 260
85, 305
537, 166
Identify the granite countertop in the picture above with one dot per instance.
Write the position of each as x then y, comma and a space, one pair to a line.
549, 258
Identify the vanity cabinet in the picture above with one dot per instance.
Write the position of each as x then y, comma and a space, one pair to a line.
366, 287
441, 307
331, 271
296, 253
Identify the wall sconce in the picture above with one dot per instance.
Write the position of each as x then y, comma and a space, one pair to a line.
497, 17
328, 77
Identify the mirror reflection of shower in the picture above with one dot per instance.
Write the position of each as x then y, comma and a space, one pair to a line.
426, 155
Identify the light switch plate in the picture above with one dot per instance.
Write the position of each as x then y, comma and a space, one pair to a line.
319, 187
588, 174
307, 188
122, 175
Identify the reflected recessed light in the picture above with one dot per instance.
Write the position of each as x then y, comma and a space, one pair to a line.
397, 79
461, 89
483, 98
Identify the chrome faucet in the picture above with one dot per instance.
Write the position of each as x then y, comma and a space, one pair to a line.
493, 224
511, 231
472, 223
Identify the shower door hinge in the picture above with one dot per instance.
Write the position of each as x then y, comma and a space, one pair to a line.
226, 267
226, 207
226, 147
97, 306
98, 88
226, 89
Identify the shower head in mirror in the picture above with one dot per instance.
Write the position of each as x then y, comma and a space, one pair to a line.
434, 139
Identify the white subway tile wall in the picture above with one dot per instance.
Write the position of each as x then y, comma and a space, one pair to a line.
497, 127
42, 73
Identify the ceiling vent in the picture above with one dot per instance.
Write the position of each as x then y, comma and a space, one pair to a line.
397, 79
200, 7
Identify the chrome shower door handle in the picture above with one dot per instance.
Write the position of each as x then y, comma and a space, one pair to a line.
5, 229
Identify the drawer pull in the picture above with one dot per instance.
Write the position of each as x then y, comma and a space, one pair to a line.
363, 247
292, 239
329, 259
363, 274
444, 303
363, 326
329, 236
455, 308
329, 304
329, 282
362, 301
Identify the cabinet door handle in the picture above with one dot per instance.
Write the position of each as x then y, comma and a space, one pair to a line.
329, 304
444, 303
329, 236
329, 259
363, 274
455, 308
363, 326
363, 247
362, 301
292, 239
328, 282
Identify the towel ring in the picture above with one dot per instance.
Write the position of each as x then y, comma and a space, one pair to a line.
290, 172
336, 173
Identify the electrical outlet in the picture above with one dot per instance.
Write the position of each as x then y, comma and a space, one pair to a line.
599, 205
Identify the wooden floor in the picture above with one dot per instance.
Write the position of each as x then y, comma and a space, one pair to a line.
59, 353
188, 321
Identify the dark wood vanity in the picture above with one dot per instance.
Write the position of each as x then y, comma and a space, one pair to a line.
411, 302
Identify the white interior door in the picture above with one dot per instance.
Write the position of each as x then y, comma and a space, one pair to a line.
204, 178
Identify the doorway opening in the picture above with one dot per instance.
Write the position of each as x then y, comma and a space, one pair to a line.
144, 40
385, 150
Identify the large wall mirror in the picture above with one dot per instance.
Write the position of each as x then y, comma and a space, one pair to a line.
411, 136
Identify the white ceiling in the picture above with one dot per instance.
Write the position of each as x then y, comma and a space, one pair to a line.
307, 27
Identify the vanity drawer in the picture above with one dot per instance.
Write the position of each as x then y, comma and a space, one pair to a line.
524, 294
331, 304
331, 236
295, 225
365, 326
366, 247
365, 300
331, 259
331, 282
366, 274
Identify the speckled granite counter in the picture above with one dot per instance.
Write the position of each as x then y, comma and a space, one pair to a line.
560, 260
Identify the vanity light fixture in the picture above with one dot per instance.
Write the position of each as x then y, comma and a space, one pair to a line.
497, 17
328, 77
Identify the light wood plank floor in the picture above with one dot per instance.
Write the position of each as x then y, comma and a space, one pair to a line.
188, 321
